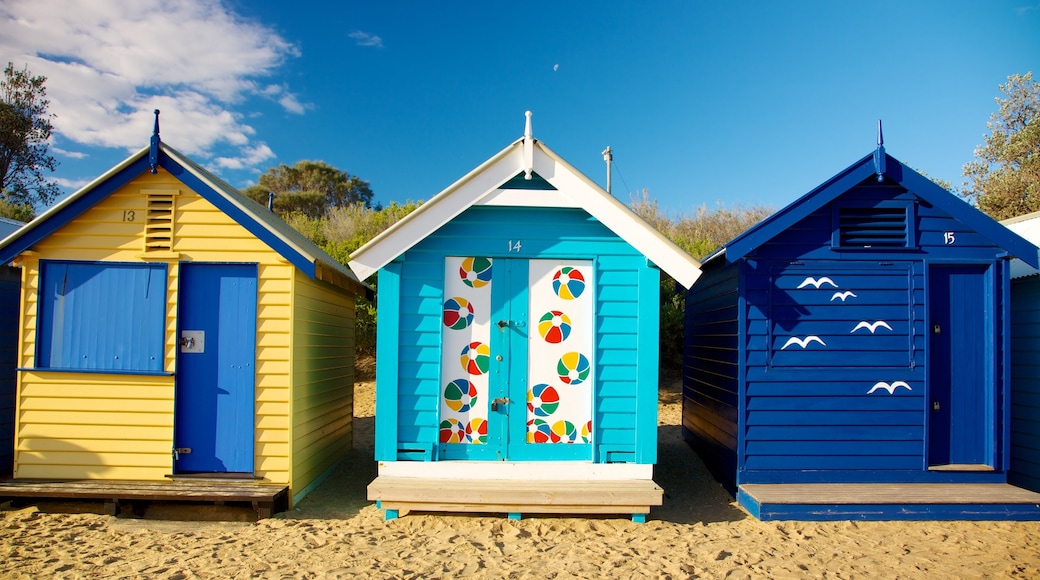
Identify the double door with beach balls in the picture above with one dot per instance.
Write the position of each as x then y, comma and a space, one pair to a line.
517, 366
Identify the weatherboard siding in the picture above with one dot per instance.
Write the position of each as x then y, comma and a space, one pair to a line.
10, 289
323, 380
826, 393
139, 407
623, 393
1025, 383
711, 368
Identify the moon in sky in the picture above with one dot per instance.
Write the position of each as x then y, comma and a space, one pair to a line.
556, 67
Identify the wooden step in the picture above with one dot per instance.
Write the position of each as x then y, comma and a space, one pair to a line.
266, 498
400, 495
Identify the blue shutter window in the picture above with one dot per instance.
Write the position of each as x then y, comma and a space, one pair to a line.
884, 227
102, 317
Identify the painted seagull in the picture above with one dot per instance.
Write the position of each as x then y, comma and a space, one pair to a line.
890, 388
810, 281
843, 295
872, 327
803, 342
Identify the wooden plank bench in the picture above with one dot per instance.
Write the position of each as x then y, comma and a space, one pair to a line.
266, 498
400, 495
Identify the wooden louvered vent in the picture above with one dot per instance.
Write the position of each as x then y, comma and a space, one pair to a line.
873, 227
158, 229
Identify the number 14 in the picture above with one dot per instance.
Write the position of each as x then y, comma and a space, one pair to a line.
514, 246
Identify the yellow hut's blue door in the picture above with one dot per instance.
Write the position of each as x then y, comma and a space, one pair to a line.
516, 369
961, 410
216, 369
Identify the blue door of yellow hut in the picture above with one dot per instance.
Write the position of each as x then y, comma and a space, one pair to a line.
959, 431
216, 367
517, 370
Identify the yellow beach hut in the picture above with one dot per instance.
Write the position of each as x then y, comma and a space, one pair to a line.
173, 329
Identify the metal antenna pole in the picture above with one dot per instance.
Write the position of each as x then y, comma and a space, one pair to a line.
608, 157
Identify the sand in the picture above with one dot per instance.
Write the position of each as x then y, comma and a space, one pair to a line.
699, 532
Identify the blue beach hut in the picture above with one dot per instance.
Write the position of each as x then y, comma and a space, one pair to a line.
517, 344
848, 357
1025, 360
10, 289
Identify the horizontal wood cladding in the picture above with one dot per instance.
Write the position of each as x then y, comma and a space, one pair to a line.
323, 379
542, 233
1025, 382
711, 368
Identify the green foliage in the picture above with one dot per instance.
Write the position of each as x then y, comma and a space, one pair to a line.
1004, 178
22, 212
699, 235
311, 188
25, 128
340, 231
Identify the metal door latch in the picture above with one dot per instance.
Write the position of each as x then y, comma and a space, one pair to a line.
935, 405
499, 401
177, 451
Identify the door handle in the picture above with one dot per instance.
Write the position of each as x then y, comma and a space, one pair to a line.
499, 401
503, 323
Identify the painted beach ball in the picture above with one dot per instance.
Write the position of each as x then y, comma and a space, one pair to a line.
475, 272
586, 432
573, 368
458, 313
554, 326
452, 431
563, 432
542, 400
538, 431
475, 358
460, 395
568, 283
476, 431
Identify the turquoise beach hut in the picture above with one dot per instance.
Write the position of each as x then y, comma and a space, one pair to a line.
517, 349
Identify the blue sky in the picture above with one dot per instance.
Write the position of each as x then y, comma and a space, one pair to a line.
738, 103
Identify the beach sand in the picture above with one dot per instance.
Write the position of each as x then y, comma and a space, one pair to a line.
335, 532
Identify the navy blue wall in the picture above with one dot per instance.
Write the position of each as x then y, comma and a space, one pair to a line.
711, 368
789, 377
1025, 383
10, 287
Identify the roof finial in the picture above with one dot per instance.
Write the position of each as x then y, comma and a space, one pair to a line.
879, 154
153, 152
528, 148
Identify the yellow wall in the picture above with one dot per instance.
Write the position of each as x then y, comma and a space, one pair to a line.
79, 425
323, 379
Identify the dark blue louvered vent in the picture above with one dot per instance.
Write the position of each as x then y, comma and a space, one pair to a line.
873, 227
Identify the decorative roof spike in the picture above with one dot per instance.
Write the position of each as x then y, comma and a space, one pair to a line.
528, 148
153, 152
879, 154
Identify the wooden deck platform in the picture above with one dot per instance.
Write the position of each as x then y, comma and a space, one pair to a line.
266, 498
885, 501
399, 495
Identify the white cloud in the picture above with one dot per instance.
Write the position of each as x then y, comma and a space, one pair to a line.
69, 154
366, 39
251, 157
73, 184
109, 63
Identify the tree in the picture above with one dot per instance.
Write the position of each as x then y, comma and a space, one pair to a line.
25, 128
1004, 178
311, 188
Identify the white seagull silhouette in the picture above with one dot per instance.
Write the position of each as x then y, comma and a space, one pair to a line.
843, 295
810, 281
890, 388
803, 342
872, 327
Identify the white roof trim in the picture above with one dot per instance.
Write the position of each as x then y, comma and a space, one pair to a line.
481, 186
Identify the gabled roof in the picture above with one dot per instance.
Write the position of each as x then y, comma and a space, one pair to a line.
258, 220
552, 183
877, 164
